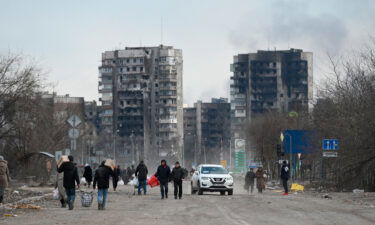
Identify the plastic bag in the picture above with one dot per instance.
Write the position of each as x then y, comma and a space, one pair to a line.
86, 198
297, 187
120, 182
55, 194
153, 181
83, 180
133, 182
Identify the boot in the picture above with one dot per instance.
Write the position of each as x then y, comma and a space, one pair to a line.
99, 206
71, 205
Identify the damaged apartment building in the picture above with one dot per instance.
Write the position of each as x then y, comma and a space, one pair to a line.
207, 132
267, 81
141, 102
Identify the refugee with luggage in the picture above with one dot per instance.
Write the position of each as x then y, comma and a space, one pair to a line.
101, 179
177, 175
163, 174
249, 181
260, 180
4, 177
60, 188
70, 179
87, 174
285, 177
141, 173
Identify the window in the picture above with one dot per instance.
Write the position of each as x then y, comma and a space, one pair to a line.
156, 85
134, 68
128, 69
141, 60
134, 60
141, 68
127, 60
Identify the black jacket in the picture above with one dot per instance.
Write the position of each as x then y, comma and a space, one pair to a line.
101, 177
177, 174
250, 177
163, 174
87, 174
285, 172
70, 174
116, 174
141, 172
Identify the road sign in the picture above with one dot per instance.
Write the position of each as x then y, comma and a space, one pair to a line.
73, 133
330, 144
74, 121
330, 154
239, 155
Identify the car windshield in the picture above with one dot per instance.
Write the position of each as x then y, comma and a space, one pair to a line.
213, 170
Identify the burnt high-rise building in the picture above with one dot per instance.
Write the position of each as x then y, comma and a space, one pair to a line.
141, 96
269, 81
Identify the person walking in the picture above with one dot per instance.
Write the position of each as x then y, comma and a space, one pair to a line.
70, 179
141, 173
177, 175
285, 177
4, 177
260, 180
60, 188
249, 181
116, 175
163, 174
101, 179
87, 174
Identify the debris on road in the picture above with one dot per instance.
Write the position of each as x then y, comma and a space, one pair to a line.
25, 206
358, 191
327, 196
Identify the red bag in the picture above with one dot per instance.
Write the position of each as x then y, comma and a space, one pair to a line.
153, 181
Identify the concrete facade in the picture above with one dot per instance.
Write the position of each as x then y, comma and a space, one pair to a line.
141, 95
269, 81
207, 132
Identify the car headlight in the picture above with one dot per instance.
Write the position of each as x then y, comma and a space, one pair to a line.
205, 178
230, 179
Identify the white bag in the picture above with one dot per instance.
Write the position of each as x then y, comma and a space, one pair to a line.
120, 182
83, 180
134, 182
55, 194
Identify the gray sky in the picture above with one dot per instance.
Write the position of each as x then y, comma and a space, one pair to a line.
66, 38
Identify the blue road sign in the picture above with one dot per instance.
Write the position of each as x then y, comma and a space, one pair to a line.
331, 144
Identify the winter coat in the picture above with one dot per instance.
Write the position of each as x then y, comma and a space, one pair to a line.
163, 174
101, 177
284, 172
70, 174
177, 174
4, 174
249, 179
87, 174
141, 172
59, 185
260, 179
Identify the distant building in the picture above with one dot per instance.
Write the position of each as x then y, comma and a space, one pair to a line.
269, 81
141, 100
207, 132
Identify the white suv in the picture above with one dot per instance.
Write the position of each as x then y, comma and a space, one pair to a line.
212, 178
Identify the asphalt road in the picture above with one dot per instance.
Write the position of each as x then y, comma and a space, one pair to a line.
209, 209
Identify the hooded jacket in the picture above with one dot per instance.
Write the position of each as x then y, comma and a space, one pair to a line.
4, 174
177, 174
101, 177
87, 174
70, 174
284, 172
163, 174
141, 172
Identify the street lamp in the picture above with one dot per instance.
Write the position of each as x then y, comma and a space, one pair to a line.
291, 155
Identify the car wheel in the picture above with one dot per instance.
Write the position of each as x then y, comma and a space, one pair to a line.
222, 192
200, 191
230, 192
